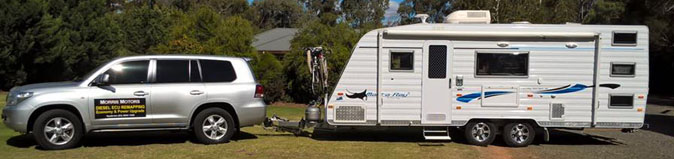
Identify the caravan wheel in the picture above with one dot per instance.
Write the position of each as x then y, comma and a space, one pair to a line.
518, 134
480, 133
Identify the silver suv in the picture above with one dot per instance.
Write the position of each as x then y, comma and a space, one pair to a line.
209, 95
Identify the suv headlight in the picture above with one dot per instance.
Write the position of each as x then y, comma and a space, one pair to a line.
15, 98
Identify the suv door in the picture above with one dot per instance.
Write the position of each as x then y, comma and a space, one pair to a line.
177, 89
126, 100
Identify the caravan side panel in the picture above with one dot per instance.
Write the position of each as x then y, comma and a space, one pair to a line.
354, 100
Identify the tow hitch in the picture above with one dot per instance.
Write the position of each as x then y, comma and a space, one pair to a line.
316, 60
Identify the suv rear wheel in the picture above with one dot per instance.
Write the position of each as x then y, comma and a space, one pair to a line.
213, 125
57, 129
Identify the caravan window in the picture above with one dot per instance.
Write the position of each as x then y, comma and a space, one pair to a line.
622, 69
621, 101
502, 64
625, 38
402, 60
437, 61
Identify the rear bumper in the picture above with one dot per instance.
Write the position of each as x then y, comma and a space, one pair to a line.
252, 114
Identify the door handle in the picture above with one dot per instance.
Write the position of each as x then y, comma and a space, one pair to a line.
140, 93
196, 92
450, 82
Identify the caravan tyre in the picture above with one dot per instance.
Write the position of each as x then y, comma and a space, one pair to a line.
480, 133
518, 134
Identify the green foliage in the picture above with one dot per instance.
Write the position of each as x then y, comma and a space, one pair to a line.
364, 13
339, 40
325, 10
21, 24
606, 12
436, 9
55, 40
144, 27
268, 14
269, 72
203, 31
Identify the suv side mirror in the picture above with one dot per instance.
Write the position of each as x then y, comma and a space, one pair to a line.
102, 80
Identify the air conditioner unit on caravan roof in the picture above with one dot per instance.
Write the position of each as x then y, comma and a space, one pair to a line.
469, 17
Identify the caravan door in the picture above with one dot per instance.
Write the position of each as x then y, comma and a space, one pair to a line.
436, 82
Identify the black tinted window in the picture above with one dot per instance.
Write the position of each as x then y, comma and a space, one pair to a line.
437, 61
195, 75
173, 71
621, 101
132, 72
502, 64
217, 71
625, 38
402, 60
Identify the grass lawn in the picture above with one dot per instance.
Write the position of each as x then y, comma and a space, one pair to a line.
252, 142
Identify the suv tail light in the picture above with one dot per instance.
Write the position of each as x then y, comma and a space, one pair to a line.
259, 91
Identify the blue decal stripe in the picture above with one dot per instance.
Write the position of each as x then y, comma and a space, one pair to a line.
574, 88
469, 97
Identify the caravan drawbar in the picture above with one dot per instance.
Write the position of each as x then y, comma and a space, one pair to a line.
488, 79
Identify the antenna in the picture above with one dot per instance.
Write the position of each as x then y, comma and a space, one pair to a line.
423, 18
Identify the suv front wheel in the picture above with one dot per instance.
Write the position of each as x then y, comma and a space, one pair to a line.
213, 125
57, 129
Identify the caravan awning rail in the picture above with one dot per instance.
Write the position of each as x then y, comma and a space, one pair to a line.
489, 34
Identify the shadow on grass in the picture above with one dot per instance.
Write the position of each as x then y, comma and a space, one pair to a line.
576, 137
413, 134
126, 139
373, 134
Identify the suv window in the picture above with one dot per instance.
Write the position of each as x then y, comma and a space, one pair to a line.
217, 71
173, 71
131, 72
195, 74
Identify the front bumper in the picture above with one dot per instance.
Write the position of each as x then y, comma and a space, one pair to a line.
16, 117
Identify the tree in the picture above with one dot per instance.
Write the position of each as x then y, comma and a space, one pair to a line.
81, 36
269, 72
339, 39
267, 14
144, 27
436, 9
364, 13
228, 7
203, 31
21, 23
605, 12
55, 40
325, 10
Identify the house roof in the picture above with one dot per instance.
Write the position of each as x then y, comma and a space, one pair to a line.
277, 39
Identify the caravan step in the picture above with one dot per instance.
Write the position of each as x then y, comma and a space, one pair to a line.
436, 133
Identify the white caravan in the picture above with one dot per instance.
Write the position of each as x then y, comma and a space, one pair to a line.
509, 79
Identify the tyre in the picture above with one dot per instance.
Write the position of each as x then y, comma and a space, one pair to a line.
480, 133
213, 126
518, 134
57, 129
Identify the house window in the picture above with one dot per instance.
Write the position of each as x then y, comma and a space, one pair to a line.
623, 69
502, 64
621, 101
624, 38
402, 60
